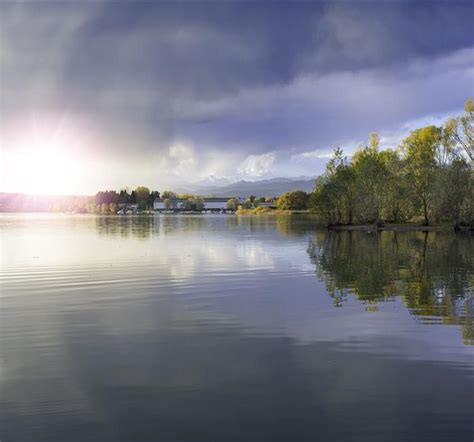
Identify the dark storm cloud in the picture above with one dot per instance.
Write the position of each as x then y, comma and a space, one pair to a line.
255, 76
207, 50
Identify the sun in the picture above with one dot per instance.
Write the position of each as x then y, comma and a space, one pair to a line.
42, 159
48, 169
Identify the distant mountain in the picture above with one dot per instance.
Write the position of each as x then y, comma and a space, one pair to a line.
270, 187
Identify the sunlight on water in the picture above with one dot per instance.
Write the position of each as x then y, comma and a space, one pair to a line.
232, 328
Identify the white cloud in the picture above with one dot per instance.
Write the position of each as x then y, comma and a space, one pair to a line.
314, 154
255, 166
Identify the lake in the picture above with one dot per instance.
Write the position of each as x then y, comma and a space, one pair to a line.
226, 328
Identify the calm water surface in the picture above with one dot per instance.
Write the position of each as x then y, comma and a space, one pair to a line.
220, 328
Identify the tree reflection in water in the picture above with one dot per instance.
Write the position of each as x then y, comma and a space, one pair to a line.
432, 272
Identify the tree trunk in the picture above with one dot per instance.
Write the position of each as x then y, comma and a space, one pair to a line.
425, 212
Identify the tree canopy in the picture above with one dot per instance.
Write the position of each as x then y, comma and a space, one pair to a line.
428, 177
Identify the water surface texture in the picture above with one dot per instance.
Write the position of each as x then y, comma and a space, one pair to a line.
225, 328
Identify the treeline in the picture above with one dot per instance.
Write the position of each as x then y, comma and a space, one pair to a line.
428, 178
296, 200
110, 201
105, 202
249, 203
142, 197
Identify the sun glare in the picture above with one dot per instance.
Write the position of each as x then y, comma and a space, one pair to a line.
44, 160
47, 170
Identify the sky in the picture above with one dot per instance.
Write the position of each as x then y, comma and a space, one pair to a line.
106, 95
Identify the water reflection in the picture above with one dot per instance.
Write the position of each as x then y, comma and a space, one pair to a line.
286, 225
199, 328
432, 272
144, 227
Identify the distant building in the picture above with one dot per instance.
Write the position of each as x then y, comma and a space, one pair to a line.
271, 204
177, 203
174, 203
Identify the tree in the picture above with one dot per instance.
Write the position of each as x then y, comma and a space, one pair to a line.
374, 141
321, 200
169, 194
193, 203
152, 197
460, 131
107, 197
429, 175
232, 204
453, 187
296, 200
169, 204
248, 204
113, 208
124, 197
370, 173
91, 207
142, 194
394, 189
199, 204
334, 193
188, 204
420, 149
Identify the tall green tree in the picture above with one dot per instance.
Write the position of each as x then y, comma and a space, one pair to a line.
394, 188
420, 149
370, 174
453, 190
142, 194
334, 194
322, 200
460, 131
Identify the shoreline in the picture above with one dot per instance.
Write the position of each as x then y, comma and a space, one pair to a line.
400, 228
408, 227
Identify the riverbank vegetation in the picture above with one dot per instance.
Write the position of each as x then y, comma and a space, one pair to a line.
428, 178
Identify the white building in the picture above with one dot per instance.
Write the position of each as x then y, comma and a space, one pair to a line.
176, 203
159, 203
215, 203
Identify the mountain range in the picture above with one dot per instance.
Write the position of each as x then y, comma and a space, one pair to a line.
268, 188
